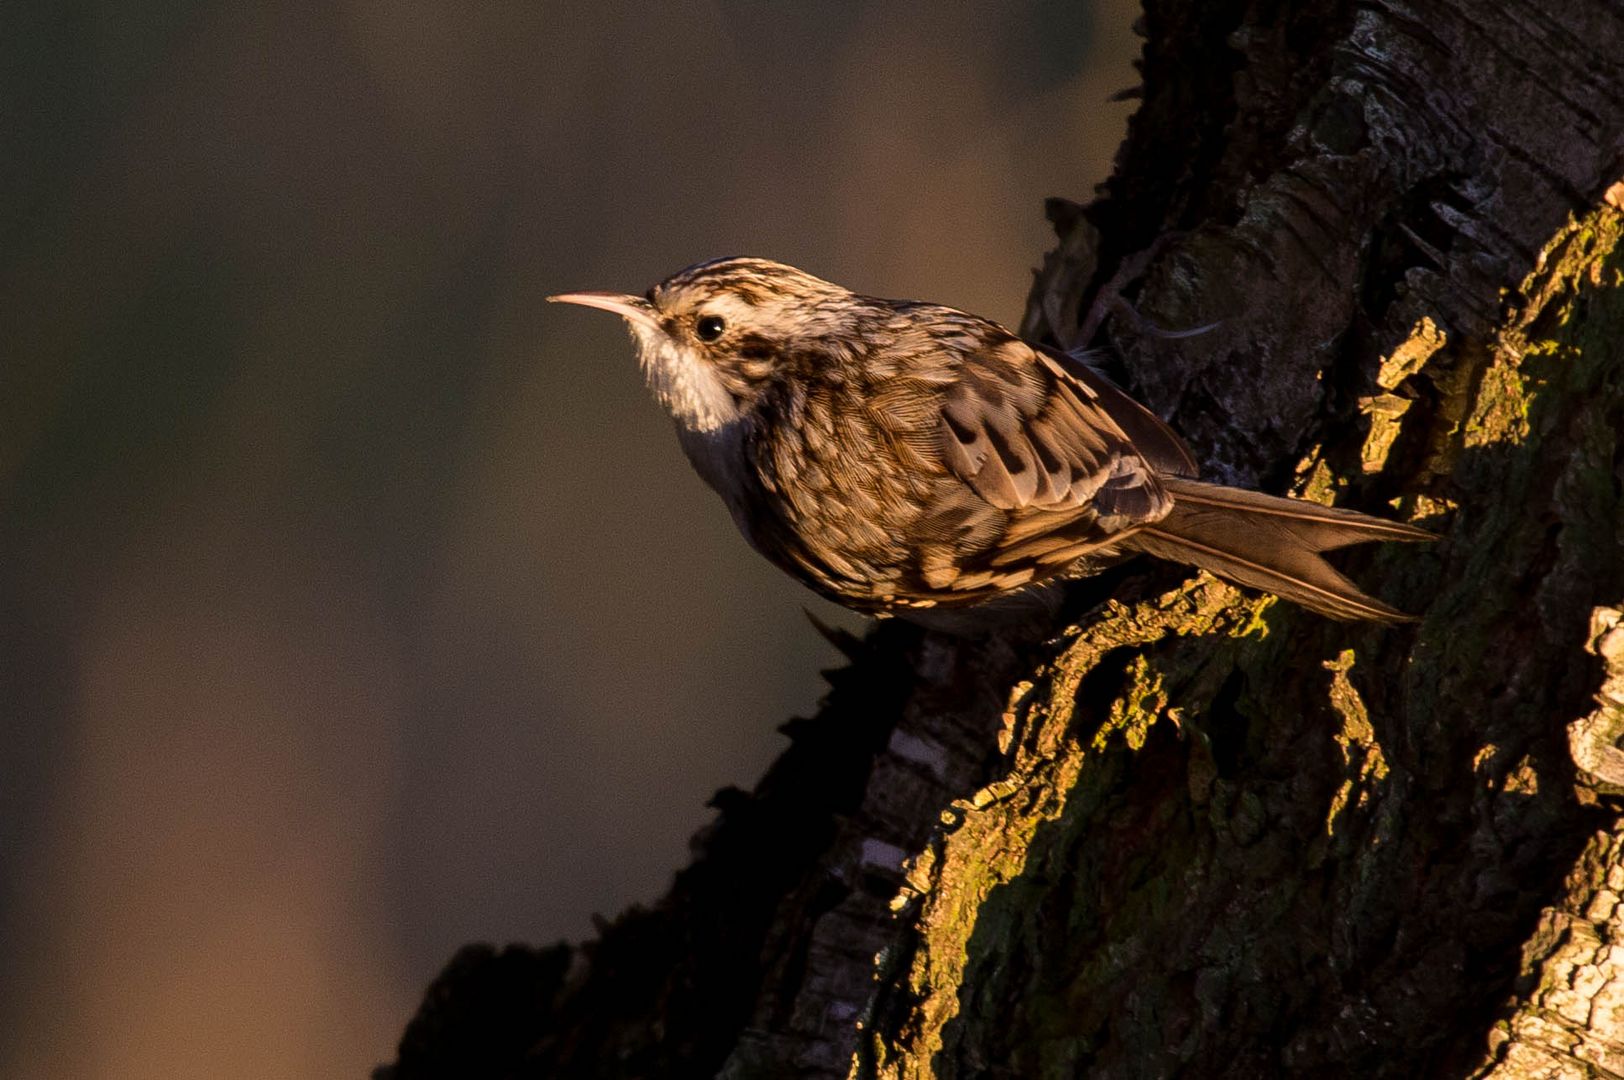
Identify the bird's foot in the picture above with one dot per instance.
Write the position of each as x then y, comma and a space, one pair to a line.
1109, 298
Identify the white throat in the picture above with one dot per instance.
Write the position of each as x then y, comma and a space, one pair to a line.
685, 384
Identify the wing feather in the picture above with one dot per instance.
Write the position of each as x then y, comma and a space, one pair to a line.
1156, 442
1028, 434
981, 465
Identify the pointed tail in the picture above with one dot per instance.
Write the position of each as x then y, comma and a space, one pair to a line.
1271, 544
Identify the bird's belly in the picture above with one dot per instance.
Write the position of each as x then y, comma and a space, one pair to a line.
870, 548
871, 540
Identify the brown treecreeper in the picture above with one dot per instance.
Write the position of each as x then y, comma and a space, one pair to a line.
911, 459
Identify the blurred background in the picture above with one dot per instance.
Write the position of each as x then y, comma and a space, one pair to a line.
354, 603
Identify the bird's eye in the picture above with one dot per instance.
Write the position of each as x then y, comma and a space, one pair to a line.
709, 327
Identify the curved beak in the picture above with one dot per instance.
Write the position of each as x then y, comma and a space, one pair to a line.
632, 308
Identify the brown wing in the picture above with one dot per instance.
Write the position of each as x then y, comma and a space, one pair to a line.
1156, 442
1040, 474
973, 466
1026, 434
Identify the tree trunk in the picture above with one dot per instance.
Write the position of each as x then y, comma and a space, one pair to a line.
1199, 832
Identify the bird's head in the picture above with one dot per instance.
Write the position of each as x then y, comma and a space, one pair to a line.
712, 338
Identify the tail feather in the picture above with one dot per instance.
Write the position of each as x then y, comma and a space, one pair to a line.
1272, 544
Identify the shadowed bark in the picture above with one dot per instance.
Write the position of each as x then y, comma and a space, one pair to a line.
1197, 832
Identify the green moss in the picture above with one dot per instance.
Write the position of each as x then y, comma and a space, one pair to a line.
1141, 704
1361, 753
990, 839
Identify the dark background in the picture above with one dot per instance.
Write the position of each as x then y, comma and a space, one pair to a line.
354, 603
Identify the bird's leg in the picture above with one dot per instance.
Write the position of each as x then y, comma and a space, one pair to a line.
1109, 298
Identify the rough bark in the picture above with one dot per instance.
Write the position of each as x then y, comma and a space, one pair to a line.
1198, 832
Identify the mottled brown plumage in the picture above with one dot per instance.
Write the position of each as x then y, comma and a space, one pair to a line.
902, 457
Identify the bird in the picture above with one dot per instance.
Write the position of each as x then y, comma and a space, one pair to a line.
911, 459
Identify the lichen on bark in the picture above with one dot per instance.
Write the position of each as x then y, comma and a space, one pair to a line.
1565, 1021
